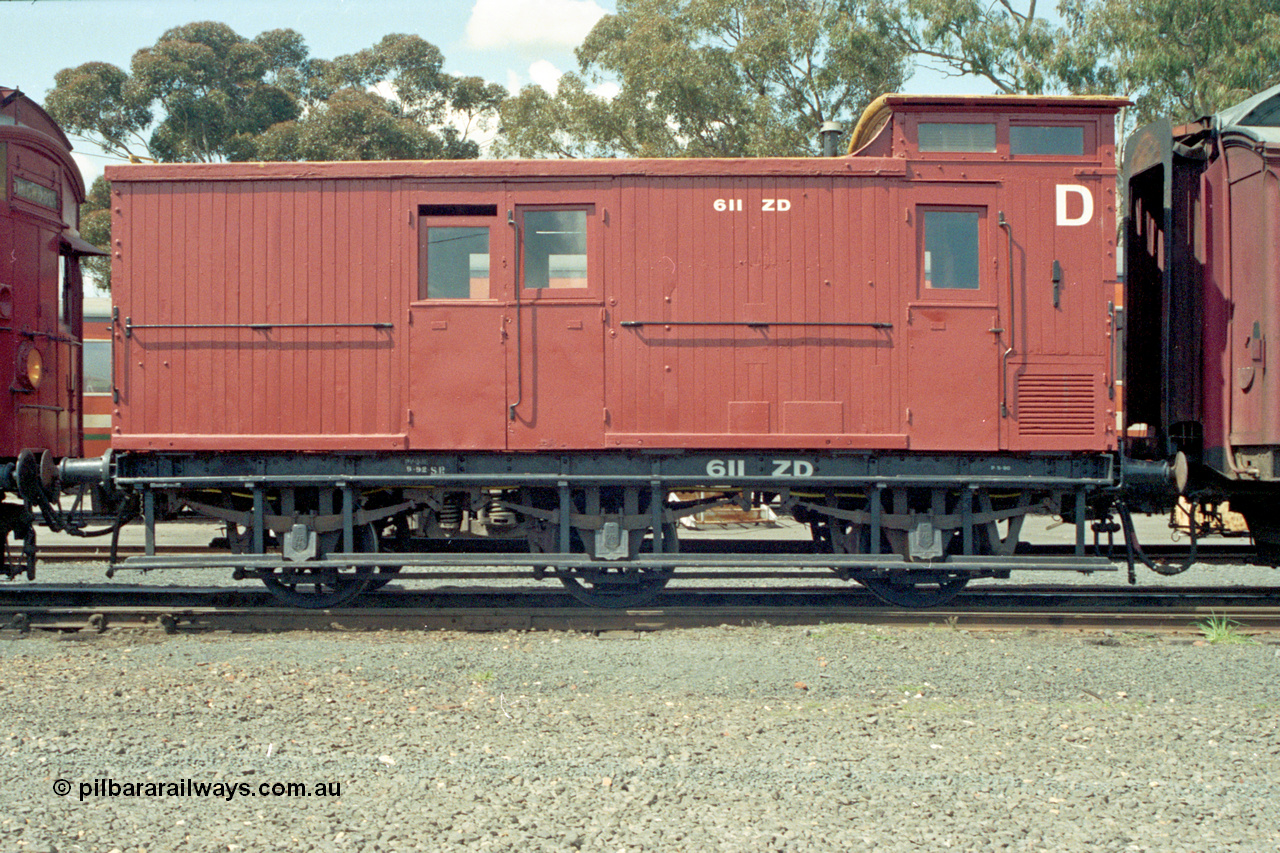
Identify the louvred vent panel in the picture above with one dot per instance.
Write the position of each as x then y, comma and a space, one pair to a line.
1056, 404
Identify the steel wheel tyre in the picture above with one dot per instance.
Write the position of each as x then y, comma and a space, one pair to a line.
912, 589
917, 589
629, 584
625, 586
315, 587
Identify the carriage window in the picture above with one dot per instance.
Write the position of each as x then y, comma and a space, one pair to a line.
64, 289
950, 249
957, 136
1047, 140
555, 249
457, 263
97, 367
35, 193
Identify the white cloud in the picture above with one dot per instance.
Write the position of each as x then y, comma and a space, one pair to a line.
608, 89
531, 23
546, 75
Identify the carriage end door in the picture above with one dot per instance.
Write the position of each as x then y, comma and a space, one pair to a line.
955, 326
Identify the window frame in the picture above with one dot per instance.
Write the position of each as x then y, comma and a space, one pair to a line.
1089, 140
1003, 122
985, 291
85, 350
592, 293
427, 222
965, 121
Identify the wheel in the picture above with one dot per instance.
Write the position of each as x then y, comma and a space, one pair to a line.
912, 588
315, 587
383, 575
625, 585
1264, 527
13, 521
918, 589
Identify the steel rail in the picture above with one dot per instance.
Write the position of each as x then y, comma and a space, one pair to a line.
262, 619
224, 610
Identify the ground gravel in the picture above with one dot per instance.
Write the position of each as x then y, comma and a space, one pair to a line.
840, 737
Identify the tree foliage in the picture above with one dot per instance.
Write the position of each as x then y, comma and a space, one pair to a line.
354, 124
1175, 58
712, 78
101, 102
1009, 45
95, 226
428, 115
203, 93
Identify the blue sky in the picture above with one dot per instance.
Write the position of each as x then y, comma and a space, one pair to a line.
513, 42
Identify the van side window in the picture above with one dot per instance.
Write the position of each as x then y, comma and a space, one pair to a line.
1059, 140
950, 249
453, 250
457, 263
967, 137
555, 249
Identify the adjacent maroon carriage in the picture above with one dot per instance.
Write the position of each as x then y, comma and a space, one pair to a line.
1203, 259
909, 348
40, 306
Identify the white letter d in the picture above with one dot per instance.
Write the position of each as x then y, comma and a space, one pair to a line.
1086, 203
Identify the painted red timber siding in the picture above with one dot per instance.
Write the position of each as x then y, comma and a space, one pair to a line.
304, 253
773, 303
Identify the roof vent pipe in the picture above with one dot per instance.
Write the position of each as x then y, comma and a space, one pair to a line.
830, 133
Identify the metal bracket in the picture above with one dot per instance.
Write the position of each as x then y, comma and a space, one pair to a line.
299, 544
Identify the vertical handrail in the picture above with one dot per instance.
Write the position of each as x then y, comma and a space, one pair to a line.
511, 409
1012, 324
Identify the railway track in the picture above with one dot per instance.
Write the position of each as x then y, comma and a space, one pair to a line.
192, 609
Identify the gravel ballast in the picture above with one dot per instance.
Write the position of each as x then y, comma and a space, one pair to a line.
833, 738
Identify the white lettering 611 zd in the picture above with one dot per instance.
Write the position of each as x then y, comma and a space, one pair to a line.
781, 468
767, 205
792, 468
727, 468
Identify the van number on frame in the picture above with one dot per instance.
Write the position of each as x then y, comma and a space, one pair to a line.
767, 205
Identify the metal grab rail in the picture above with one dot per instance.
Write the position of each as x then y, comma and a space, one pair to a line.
1012, 324
130, 326
634, 324
519, 286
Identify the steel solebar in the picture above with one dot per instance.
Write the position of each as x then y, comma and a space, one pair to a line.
890, 562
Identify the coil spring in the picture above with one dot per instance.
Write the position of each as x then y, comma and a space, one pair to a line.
450, 515
499, 515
